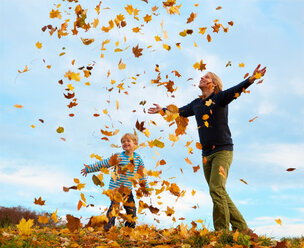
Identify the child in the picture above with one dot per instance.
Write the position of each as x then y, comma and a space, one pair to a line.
127, 165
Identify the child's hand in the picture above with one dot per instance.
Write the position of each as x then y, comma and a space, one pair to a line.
83, 171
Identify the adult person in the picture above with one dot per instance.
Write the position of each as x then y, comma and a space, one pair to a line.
211, 113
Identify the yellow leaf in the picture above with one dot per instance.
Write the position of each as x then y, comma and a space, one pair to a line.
87, 83
167, 47
206, 123
54, 216
147, 18
39, 45
105, 111
121, 65
43, 219
24, 227
202, 30
195, 44
257, 75
193, 192
55, 14
157, 38
70, 86
117, 104
18, 106
129, 9
278, 221
80, 186
82, 197
241, 65
173, 137
95, 23
208, 103
236, 235
147, 132
87, 41
76, 180
32, 126
72, 76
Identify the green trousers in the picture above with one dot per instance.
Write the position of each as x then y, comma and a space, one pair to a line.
224, 210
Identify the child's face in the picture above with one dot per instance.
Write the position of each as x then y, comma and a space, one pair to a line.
128, 144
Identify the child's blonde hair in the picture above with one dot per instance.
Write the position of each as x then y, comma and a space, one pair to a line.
217, 81
131, 136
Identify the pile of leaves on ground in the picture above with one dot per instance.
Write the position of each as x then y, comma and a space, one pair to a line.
25, 234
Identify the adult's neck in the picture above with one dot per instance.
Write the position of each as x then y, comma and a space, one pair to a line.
206, 93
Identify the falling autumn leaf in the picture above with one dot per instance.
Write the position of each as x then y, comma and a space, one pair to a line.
188, 160
137, 51
25, 70
121, 65
39, 201
279, 221
39, 45
191, 17
241, 65
243, 181
200, 66
251, 120
18, 106
209, 38
60, 130
290, 169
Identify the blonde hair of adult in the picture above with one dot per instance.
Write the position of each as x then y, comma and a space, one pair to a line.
130, 136
217, 81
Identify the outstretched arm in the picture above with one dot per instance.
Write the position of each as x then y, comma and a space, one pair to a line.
257, 73
155, 110
183, 111
232, 93
84, 171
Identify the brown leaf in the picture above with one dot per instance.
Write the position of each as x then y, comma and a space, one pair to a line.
66, 189
114, 160
39, 201
72, 104
191, 17
243, 181
140, 126
137, 51
196, 168
69, 95
73, 223
290, 169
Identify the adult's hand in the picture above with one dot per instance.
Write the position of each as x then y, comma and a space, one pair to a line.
83, 171
256, 72
155, 110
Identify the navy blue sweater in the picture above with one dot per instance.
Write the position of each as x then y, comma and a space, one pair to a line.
217, 136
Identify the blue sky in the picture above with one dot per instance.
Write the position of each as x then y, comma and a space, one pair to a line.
36, 162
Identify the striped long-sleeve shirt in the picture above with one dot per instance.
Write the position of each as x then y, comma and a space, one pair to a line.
128, 171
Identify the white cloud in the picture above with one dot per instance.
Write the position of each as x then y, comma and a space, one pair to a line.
282, 155
266, 225
26, 173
